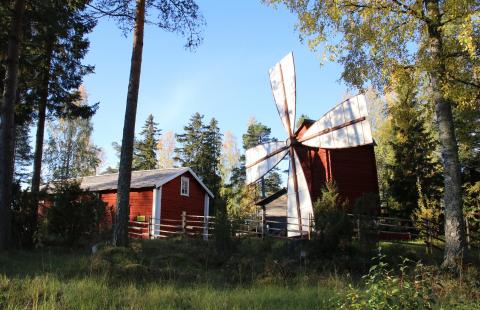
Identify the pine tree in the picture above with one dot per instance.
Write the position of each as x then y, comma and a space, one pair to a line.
58, 45
70, 152
182, 17
145, 149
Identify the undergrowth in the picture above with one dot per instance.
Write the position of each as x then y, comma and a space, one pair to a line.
257, 274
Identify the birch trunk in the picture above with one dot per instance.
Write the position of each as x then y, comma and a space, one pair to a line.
120, 229
454, 224
7, 121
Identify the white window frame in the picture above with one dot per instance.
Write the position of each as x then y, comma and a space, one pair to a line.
187, 180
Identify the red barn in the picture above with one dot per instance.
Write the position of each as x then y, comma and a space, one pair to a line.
353, 169
160, 195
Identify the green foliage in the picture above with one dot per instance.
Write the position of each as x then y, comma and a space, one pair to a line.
145, 149
24, 217
415, 174
186, 273
200, 149
332, 225
76, 217
70, 152
385, 290
23, 153
222, 229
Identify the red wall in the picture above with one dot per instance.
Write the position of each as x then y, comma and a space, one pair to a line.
353, 169
140, 201
173, 203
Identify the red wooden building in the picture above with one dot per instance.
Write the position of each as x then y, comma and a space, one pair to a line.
353, 169
156, 195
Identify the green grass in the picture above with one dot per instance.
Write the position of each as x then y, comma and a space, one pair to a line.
191, 274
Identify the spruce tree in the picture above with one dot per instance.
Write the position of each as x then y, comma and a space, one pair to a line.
257, 133
200, 149
415, 174
145, 149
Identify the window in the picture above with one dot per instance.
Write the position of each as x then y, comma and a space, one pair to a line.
184, 186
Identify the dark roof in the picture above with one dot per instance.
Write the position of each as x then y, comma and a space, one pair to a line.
140, 179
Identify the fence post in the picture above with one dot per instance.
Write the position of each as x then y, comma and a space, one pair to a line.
184, 222
468, 233
149, 223
205, 227
309, 226
358, 227
264, 222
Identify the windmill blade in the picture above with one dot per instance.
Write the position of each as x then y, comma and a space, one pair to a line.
263, 158
282, 80
346, 125
299, 201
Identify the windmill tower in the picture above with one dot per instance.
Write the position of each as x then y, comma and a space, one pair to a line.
318, 151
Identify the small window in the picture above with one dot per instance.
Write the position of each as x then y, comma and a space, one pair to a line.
184, 186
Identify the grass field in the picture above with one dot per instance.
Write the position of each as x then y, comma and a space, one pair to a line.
191, 274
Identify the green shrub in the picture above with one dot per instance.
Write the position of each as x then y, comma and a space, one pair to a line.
332, 225
75, 217
386, 290
222, 230
24, 217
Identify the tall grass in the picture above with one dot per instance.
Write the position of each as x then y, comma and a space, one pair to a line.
186, 274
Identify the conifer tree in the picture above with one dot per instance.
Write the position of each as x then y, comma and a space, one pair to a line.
180, 16
145, 149
59, 38
200, 149
415, 175
257, 134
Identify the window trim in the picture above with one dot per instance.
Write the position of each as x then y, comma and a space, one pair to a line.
187, 180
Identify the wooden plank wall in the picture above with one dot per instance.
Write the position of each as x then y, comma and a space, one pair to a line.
173, 203
140, 201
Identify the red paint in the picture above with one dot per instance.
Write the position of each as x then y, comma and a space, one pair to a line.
353, 169
172, 202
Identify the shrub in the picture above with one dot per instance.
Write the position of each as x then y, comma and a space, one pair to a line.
75, 217
366, 208
24, 217
385, 290
222, 230
332, 226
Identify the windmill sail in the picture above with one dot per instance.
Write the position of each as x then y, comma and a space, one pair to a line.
297, 222
282, 80
346, 125
263, 158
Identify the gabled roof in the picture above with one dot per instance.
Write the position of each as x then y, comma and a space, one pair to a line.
140, 179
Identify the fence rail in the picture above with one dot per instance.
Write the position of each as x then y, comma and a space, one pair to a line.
259, 225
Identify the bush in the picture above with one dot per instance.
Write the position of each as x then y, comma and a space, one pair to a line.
24, 217
366, 208
75, 217
385, 290
222, 230
332, 226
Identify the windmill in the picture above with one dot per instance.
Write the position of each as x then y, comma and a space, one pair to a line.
345, 126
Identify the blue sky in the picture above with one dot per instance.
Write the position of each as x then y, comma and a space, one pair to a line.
225, 78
